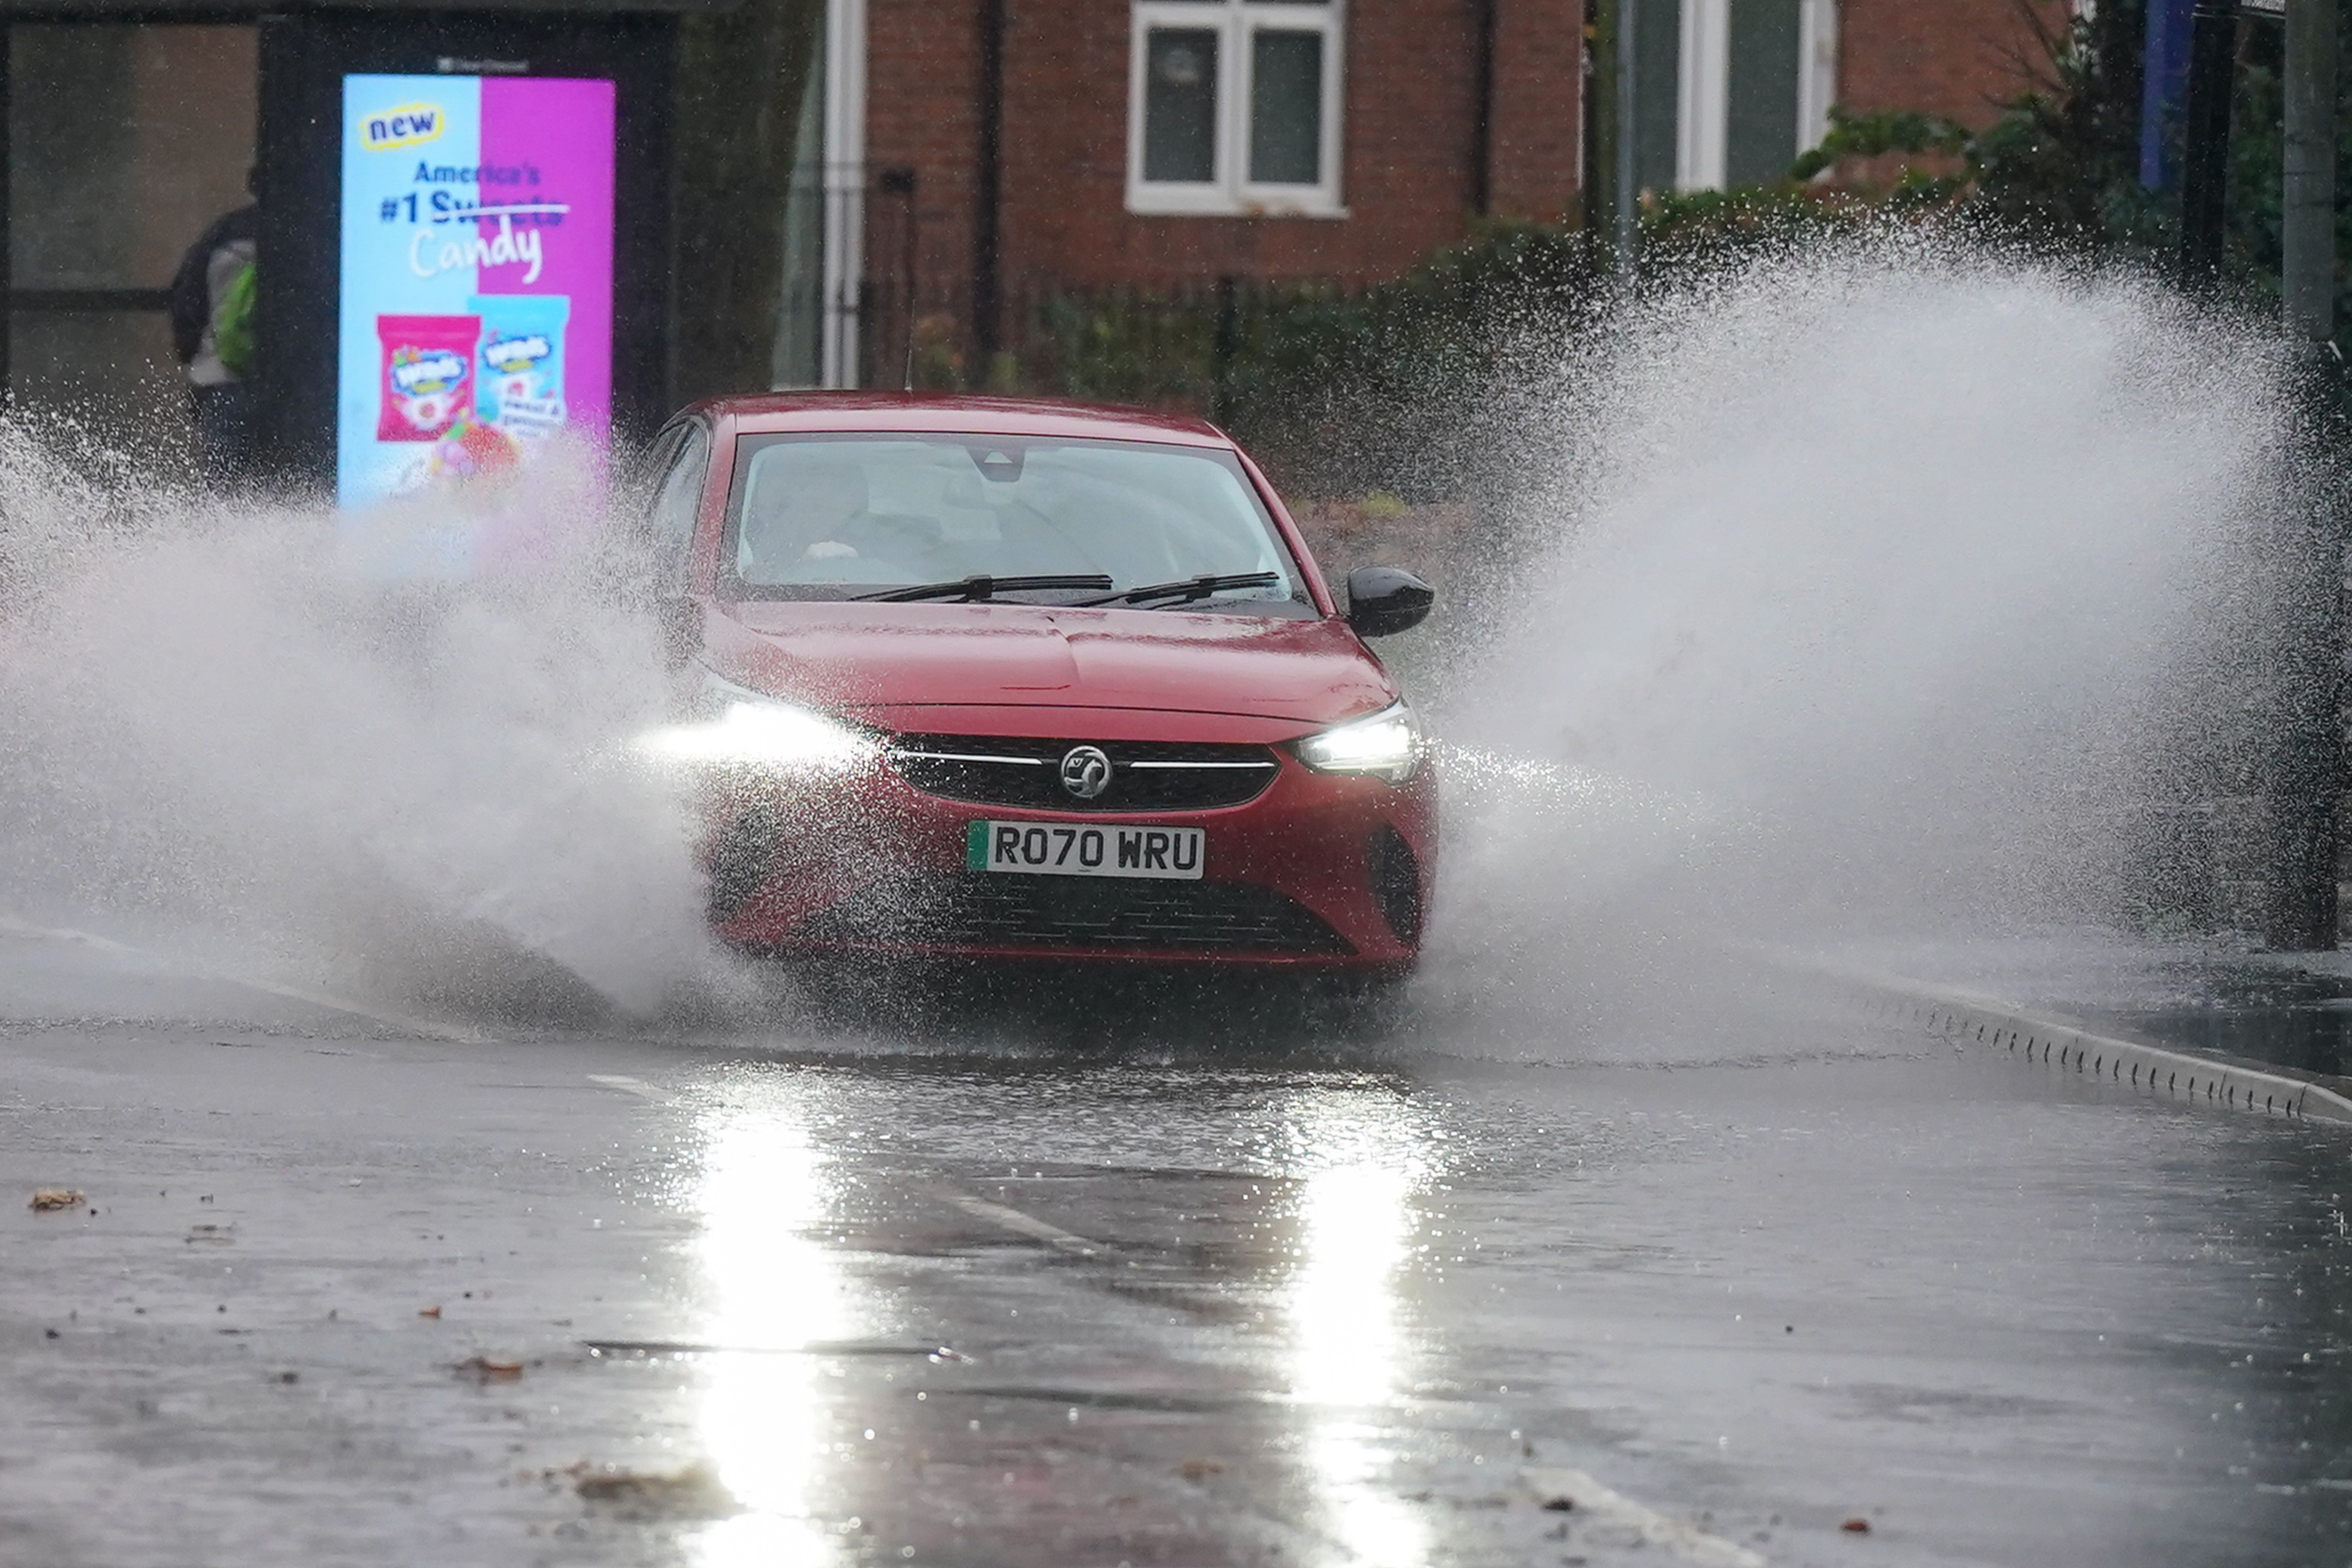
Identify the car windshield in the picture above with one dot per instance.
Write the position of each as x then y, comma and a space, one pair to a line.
838, 517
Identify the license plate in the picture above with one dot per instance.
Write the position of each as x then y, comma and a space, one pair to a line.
1086, 849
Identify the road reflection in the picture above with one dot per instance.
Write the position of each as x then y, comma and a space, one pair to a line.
792, 1437
1361, 1155
765, 1188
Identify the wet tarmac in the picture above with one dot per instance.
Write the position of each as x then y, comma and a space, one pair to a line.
335, 1293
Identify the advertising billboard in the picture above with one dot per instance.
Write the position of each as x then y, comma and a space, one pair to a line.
476, 281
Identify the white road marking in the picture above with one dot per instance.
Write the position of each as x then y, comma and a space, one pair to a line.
1013, 1220
636, 1086
1594, 1501
333, 1003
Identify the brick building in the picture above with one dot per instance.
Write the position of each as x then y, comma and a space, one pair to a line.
980, 151
838, 159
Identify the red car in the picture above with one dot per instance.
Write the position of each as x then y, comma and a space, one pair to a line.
984, 678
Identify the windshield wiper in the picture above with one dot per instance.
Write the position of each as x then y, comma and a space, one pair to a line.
1188, 589
989, 587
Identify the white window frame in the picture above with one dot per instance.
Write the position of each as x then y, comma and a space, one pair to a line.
1816, 72
844, 188
1702, 110
1231, 194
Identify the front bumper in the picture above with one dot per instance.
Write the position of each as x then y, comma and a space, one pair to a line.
1317, 871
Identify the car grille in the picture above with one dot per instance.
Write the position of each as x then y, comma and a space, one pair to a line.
1146, 775
1002, 910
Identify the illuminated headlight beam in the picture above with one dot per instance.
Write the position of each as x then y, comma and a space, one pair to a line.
740, 729
1386, 745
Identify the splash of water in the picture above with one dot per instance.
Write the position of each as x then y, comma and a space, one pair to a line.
1855, 592
236, 737
1872, 588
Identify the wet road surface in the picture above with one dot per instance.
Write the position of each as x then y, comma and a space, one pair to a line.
337, 1294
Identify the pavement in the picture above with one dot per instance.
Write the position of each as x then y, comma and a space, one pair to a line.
1158, 1288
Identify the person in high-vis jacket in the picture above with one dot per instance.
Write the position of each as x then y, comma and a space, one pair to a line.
211, 306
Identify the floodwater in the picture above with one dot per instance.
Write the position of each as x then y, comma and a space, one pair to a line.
799, 1300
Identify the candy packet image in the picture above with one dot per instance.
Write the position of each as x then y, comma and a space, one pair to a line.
521, 360
428, 381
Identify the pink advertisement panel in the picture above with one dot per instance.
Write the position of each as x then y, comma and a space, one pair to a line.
563, 131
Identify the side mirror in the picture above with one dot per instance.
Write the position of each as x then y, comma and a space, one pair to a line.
1382, 599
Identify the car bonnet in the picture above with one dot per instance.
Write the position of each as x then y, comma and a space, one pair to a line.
867, 659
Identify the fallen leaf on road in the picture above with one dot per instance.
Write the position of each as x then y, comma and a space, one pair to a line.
693, 1492
47, 1200
1856, 1526
1201, 1470
428, 1311
487, 1371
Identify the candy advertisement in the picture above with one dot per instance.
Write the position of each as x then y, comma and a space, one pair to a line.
476, 312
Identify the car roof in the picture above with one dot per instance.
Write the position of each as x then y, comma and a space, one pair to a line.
957, 412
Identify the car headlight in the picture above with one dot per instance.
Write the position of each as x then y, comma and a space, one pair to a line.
1387, 745
734, 727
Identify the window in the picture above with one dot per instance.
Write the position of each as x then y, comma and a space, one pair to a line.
1756, 81
834, 517
1233, 107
